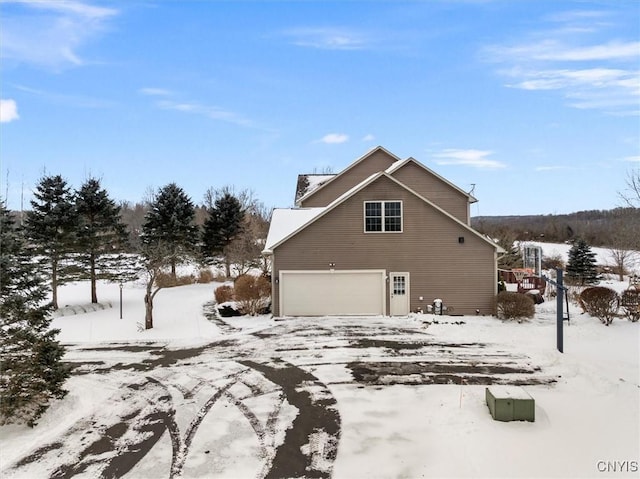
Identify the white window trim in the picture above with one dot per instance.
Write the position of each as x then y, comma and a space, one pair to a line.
364, 216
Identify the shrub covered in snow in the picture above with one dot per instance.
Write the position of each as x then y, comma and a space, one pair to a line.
253, 294
223, 293
510, 305
630, 302
166, 280
600, 302
552, 262
205, 276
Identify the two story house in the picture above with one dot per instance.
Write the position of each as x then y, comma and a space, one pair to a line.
384, 236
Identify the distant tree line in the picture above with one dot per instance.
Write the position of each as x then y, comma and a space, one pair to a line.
616, 228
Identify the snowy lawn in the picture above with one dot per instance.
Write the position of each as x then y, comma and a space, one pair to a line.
328, 397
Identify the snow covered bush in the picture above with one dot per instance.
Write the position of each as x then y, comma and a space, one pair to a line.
600, 302
166, 280
630, 302
205, 276
552, 262
253, 294
510, 305
223, 293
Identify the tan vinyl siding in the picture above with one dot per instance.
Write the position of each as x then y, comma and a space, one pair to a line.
462, 275
434, 189
374, 163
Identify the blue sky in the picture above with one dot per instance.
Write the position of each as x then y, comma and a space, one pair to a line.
536, 103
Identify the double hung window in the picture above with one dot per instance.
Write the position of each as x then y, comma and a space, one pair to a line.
382, 216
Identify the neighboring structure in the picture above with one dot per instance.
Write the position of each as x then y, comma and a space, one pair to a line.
383, 237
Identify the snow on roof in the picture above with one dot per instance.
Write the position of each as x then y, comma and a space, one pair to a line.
394, 166
363, 157
316, 180
310, 182
285, 221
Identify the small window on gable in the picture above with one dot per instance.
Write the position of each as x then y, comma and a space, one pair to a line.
382, 216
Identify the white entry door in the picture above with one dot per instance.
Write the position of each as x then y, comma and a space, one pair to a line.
399, 292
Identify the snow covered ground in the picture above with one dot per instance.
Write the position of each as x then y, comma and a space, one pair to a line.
603, 256
335, 397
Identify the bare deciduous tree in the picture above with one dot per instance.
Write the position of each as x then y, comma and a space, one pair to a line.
155, 260
622, 260
245, 251
623, 250
631, 194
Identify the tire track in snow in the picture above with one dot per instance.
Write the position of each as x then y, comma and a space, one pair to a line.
311, 443
109, 445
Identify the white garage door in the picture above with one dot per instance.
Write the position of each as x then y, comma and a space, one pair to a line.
332, 293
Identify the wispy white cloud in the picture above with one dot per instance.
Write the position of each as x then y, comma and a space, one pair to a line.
151, 91
334, 138
8, 111
570, 16
632, 159
50, 33
554, 50
575, 57
368, 137
469, 157
328, 38
167, 100
65, 99
208, 111
611, 90
68, 7
564, 78
551, 168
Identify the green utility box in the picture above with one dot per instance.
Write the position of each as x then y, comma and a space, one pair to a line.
510, 403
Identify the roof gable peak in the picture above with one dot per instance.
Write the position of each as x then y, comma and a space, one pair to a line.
359, 160
397, 166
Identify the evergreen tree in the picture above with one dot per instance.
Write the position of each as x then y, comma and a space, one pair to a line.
169, 225
222, 226
101, 234
581, 267
512, 258
51, 228
31, 371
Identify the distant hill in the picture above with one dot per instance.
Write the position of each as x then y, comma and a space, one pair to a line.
619, 227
